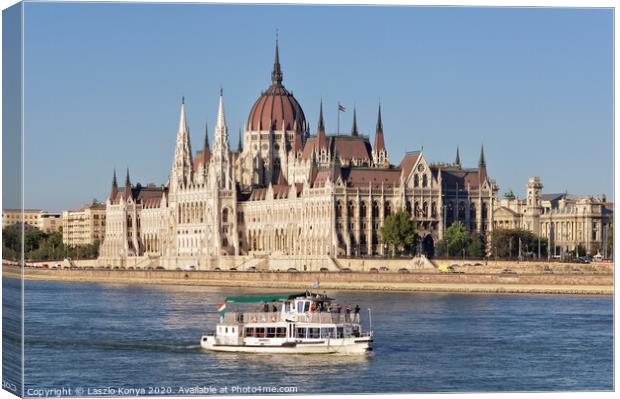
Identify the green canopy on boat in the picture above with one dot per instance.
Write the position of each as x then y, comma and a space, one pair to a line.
264, 298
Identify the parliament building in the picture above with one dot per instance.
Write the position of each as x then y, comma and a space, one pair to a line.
288, 192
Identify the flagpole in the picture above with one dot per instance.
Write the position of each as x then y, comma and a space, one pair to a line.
338, 111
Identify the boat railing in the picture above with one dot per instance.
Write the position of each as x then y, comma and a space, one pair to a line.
275, 317
254, 317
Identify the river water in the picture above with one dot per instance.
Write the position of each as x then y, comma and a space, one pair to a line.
120, 338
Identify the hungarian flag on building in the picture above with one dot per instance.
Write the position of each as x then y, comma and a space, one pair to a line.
341, 107
221, 308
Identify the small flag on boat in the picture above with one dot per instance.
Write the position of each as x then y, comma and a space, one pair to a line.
315, 284
221, 308
341, 107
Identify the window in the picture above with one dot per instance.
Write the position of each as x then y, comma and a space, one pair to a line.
260, 332
314, 332
281, 332
328, 332
306, 306
271, 332
339, 332
301, 332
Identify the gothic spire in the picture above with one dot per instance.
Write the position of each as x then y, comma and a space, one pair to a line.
221, 119
457, 161
379, 141
127, 179
321, 127
114, 186
206, 146
182, 118
321, 137
240, 144
482, 165
354, 131
276, 74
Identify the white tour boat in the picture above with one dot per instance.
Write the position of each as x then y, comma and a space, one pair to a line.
296, 323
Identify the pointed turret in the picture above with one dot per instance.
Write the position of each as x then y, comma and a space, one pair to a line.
379, 153
240, 143
321, 137
127, 189
482, 165
206, 150
276, 74
221, 153
379, 140
354, 131
182, 167
457, 161
114, 190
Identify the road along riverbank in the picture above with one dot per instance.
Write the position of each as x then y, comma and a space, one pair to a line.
525, 283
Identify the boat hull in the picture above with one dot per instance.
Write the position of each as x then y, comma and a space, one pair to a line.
348, 346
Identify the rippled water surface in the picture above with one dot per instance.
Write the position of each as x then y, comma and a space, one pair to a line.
99, 335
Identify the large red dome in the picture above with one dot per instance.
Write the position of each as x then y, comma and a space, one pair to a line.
276, 106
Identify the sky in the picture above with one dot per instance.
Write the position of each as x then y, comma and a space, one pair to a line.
103, 84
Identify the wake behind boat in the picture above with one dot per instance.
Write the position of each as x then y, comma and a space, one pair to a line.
293, 323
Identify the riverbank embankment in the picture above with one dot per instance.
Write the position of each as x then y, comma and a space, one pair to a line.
475, 282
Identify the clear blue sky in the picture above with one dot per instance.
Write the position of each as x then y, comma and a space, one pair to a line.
104, 81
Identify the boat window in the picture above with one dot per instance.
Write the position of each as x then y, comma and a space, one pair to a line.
271, 332
314, 332
300, 306
226, 330
287, 307
301, 332
328, 332
260, 332
281, 332
306, 306
249, 332
339, 332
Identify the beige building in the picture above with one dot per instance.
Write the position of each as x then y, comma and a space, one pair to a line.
287, 193
84, 226
37, 218
568, 221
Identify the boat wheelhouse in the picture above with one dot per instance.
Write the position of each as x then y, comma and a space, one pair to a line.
300, 322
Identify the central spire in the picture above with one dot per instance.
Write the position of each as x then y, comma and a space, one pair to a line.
276, 74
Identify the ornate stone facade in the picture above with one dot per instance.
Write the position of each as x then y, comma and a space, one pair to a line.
286, 193
566, 220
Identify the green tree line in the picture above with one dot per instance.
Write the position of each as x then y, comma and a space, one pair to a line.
39, 245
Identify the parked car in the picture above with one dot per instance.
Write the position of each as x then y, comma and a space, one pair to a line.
292, 270
508, 271
403, 270
373, 270
160, 268
217, 269
384, 269
477, 264
547, 270
346, 270
233, 269
190, 267
324, 270
252, 269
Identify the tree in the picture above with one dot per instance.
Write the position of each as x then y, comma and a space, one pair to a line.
399, 231
505, 243
457, 238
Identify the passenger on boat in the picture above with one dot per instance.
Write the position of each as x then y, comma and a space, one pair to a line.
266, 308
357, 313
347, 316
274, 308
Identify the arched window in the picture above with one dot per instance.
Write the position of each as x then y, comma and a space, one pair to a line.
424, 181
338, 208
225, 215
375, 209
433, 209
425, 209
461, 210
416, 180
387, 208
363, 209
351, 208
